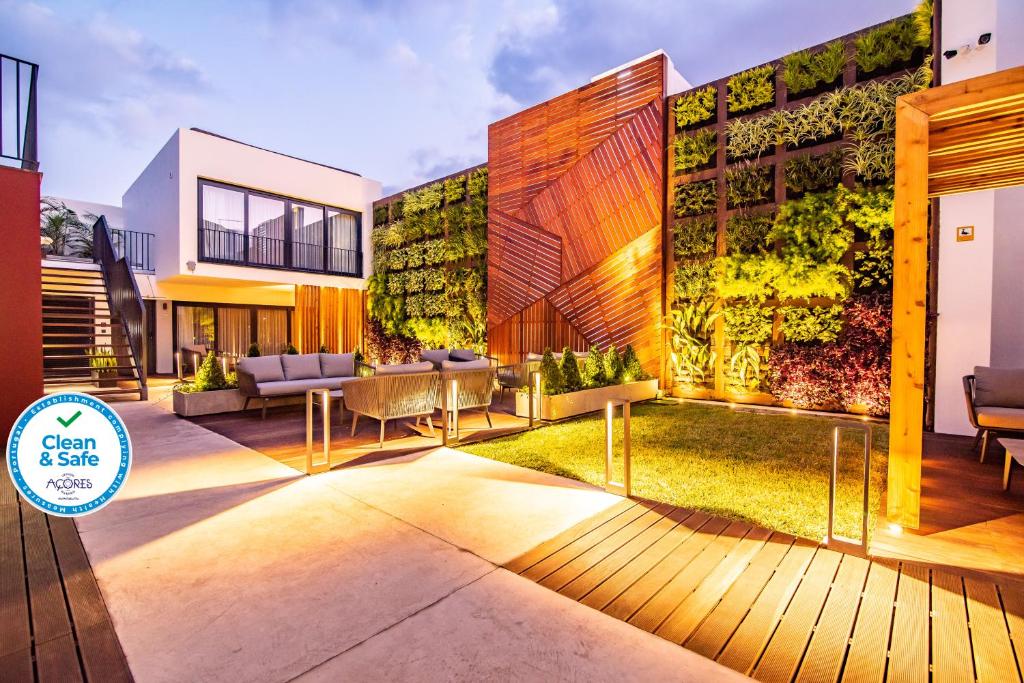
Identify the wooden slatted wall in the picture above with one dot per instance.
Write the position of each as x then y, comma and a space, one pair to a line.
330, 316
575, 219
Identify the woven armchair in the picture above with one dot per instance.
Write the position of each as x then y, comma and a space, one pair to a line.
515, 376
473, 389
391, 397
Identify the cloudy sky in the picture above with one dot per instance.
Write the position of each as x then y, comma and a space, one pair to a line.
397, 90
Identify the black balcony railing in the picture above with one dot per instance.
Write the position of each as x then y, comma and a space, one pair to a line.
123, 296
236, 248
18, 112
135, 247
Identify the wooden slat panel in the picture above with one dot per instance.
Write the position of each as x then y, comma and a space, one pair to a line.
993, 654
15, 636
908, 654
1013, 607
951, 640
868, 649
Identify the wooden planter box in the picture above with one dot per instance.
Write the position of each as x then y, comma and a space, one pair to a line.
586, 401
208, 402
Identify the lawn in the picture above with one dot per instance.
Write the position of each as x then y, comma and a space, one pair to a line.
768, 469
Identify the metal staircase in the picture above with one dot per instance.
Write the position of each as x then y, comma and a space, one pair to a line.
93, 325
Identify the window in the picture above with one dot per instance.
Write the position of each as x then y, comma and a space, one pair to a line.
195, 335
251, 228
228, 330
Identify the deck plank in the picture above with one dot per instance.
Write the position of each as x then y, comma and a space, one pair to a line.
520, 564
993, 654
749, 640
637, 595
788, 643
869, 647
951, 640
15, 633
908, 652
614, 586
1013, 608
698, 604
827, 651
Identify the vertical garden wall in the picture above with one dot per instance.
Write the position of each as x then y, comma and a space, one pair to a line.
780, 204
429, 282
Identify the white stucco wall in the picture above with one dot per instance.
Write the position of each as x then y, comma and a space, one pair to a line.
113, 214
980, 302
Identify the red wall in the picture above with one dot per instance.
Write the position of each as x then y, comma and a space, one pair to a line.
21, 324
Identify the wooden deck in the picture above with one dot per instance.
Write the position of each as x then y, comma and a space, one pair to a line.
282, 435
53, 622
779, 608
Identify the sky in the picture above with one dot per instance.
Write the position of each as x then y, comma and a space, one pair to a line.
400, 91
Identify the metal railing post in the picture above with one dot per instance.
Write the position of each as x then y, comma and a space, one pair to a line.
831, 537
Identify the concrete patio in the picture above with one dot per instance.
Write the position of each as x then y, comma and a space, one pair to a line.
216, 562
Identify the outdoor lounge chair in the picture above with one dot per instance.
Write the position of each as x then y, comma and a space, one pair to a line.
391, 397
474, 388
439, 356
995, 402
515, 376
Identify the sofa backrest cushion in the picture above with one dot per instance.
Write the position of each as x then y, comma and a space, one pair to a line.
405, 368
337, 364
466, 365
462, 354
1000, 387
263, 368
304, 366
434, 355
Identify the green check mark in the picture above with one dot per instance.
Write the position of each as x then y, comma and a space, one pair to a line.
67, 422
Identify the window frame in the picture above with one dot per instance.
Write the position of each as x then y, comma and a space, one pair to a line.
247, 261
253, 322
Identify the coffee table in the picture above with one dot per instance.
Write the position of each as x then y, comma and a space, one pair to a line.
325, 397
1014, 451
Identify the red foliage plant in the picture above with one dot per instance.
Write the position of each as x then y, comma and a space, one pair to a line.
382, 347
850, 374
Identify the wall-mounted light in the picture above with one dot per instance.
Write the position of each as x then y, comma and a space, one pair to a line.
191, 265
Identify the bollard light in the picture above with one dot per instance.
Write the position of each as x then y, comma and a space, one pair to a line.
177, 362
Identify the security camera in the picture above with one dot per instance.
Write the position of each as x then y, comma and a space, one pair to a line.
984, 38
949, 54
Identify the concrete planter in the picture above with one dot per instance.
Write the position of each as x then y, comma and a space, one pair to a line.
586, 401
208, 402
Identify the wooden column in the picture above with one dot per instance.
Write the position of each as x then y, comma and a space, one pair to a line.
910, 286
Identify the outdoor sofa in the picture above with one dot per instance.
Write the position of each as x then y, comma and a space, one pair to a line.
995, 402
268, 377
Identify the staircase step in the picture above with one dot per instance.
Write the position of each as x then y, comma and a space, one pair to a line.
85, 326
111, 392
66, 368
79, 356
100, 307
71, 272
81, 379
60, 347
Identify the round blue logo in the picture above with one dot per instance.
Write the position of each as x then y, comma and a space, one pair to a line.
69, 454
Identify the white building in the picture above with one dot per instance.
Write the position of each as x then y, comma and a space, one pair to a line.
234, 229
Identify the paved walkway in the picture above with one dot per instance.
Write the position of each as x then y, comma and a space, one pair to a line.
217, 563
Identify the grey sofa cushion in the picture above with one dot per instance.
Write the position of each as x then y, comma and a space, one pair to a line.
462, 354
295, 387
435, 356
405, 368
1000, 387
304, 366
1001, 418
263, 368
337, 364
481, 364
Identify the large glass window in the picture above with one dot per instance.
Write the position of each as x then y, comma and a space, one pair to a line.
272, 330
196, 334
253, 228
228, 330
234, 331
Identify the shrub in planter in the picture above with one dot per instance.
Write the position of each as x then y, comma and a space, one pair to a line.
748, 184
694, 280
817, 324
746, 232
695, 150
696, 237
551, 380
613, 367
290, 350
694, 199
814, 172
570, 368
210, 375
593, 369
803, 71
632, 369
695, 107
323, 349
751, 89
254, 350
747, 322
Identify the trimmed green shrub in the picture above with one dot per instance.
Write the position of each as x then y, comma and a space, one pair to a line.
695, 280
455, 188
747, 322
817, 324
613, 367
751, 89
593, 369
695, 107
551, 380
891, 43
748, 184
633, 370
254, 351
804, 70
695, 150
291, 350
746, 232
570, 370
696, 237
210, 375
694, 199
811, 173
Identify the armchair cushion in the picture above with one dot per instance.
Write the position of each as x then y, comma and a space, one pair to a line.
305, 366
462, 354
998, 387
263, 368
405, 368
991, 417
435, 356
466, 365
337, 364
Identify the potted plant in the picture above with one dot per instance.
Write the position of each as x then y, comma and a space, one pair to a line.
211, 392
103, 366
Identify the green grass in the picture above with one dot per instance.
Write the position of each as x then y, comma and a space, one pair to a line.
768, 469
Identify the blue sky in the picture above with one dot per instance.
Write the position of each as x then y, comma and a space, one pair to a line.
397, 90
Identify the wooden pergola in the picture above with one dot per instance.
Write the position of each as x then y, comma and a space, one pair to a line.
961, 137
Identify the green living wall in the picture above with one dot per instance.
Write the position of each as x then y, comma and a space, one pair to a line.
429, 285
782, 196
